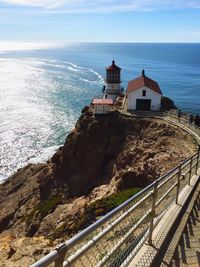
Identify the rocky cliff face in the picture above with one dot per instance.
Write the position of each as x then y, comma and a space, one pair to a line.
101, 156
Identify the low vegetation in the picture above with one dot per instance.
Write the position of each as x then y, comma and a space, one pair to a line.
44, 208
93, 212
106, 204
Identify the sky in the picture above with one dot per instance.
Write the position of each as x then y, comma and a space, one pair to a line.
100, 20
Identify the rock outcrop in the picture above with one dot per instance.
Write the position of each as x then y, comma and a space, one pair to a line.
101, 156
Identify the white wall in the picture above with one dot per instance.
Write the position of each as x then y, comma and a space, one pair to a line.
113, 86
112, 90
101, 109
113, 97
150, 94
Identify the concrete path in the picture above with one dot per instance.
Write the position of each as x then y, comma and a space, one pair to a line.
184, 247
176, 239
188, 250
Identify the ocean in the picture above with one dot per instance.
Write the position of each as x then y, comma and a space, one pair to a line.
43, 88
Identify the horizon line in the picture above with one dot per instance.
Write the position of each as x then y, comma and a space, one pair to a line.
124, 42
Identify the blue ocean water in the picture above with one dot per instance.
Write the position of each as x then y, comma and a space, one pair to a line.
44, 88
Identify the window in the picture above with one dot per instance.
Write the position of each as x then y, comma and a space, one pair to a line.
143, 92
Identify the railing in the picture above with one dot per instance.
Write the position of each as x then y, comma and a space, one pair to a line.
184, 120
115, 238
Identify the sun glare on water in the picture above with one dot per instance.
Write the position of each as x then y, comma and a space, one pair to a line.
25, 46
40, 100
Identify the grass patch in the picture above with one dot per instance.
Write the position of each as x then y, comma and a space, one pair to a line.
44, 208
104, 205
48, 205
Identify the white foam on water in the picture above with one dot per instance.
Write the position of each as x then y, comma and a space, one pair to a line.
2, 178
101, 79
44, 155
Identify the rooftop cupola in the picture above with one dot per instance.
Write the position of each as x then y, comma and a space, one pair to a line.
113, 73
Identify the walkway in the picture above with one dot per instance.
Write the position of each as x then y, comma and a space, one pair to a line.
188, 250
176, 240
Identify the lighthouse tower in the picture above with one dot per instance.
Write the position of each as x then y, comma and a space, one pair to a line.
113, 81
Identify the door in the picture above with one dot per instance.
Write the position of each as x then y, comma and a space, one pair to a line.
143, 104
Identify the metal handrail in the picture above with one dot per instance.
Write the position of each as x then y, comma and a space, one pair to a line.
128, 208
184, 121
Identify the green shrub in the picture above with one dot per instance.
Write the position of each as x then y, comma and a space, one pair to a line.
104, 205
43, 208
167, 103
48, 205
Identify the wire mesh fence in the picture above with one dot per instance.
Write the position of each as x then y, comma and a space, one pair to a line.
113, 235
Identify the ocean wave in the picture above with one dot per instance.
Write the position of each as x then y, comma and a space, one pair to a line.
89, 81
2, 178
98, 75
74, 65
44, 155
86, 71
73, 69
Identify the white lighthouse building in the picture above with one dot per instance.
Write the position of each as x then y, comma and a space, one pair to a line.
143, 94
113, 82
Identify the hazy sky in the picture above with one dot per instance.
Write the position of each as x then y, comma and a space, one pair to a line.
100, 20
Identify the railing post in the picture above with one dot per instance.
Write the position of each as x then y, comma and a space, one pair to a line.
153, 211
190, 171
197, 166
178, 184
62, 252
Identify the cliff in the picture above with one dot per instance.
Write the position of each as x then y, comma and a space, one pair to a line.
101, 157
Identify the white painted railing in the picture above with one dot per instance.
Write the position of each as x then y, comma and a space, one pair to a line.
115, 238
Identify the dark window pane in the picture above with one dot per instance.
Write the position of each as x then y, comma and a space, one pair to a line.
143, 92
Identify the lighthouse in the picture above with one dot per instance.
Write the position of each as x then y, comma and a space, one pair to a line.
113, 82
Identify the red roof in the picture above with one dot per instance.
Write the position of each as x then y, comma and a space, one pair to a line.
143, 81
105, 101
113, 66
